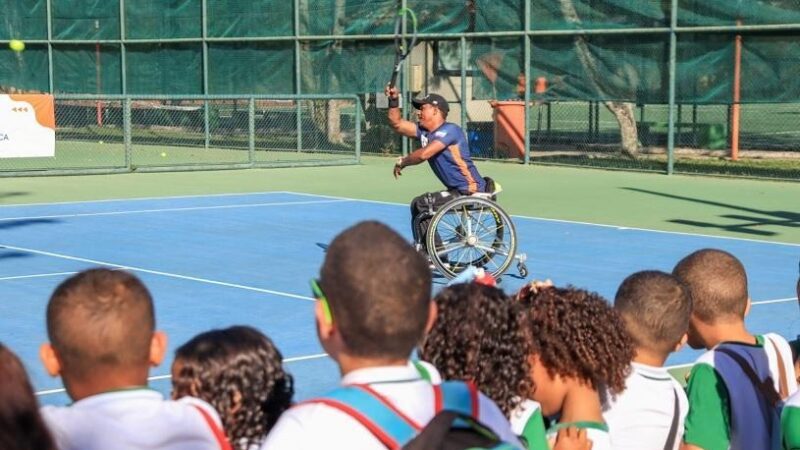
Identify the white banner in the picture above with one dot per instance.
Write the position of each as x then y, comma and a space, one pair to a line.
27, 126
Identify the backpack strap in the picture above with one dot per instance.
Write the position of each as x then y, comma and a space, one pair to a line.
783, 386
673, 429
766, 388
219, 435
389, 425
458, 396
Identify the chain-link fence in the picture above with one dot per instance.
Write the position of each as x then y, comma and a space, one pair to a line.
104, 134
596, 79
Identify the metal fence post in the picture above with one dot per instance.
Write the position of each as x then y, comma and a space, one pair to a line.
251, 130
673, 42
126, 132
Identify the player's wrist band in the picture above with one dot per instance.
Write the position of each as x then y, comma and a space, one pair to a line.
394, 102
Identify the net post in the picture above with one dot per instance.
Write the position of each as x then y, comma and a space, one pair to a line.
737, 80
126, 131
251, 130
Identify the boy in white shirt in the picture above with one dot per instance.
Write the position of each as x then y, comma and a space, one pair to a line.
649, 413
101, 326
374, 305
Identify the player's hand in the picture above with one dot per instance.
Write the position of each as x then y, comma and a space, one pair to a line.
572, 439
398, 167
391, 92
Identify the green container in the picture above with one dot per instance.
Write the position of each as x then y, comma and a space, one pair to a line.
712, 136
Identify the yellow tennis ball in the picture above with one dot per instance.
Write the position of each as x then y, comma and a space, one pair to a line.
163, 154
16, 45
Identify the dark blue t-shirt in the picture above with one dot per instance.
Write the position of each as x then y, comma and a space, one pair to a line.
453, 165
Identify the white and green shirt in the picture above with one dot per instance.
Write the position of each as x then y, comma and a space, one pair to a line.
708, 424
790, 423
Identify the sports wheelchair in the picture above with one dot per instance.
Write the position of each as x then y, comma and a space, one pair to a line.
470, 230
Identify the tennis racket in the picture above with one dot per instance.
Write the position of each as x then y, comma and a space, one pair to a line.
402, 44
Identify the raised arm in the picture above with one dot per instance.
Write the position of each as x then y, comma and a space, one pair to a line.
398, 124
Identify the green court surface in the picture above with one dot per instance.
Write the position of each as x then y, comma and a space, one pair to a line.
743, 208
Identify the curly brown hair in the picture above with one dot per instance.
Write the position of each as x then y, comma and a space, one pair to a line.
577, 334
478, 336
239, 371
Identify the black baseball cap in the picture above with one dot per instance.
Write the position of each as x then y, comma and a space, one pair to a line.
432, 99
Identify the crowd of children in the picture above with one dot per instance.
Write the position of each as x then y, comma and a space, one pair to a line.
549, 367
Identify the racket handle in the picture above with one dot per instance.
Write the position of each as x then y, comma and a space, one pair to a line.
393, 81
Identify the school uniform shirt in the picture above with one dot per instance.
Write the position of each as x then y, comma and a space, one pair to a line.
790, 423
527, 421
595, 431
642, 416
311, 426
712, 416
134, 419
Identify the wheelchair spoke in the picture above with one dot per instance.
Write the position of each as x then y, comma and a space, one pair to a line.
491, 250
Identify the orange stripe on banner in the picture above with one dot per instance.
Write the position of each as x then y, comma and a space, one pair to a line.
462, 167
44, 106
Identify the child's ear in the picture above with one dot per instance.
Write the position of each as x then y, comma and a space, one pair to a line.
433, 311
158, 348
682, 342
747, 308
49, 359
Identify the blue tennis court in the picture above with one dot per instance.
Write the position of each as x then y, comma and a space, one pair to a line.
215, 261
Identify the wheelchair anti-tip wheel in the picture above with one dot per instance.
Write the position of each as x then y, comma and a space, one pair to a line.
471, 231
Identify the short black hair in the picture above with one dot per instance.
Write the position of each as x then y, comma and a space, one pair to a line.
219, 364
379, 290
655, 307
717, 283
101, 318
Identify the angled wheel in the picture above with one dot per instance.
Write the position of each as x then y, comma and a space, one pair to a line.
471, 231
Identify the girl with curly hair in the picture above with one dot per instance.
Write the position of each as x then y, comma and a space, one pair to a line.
578, 349
478, 336
21, 425
239, 371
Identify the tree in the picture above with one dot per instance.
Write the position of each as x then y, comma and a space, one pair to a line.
623, 111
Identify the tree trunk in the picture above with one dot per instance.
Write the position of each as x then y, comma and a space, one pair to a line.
623, 111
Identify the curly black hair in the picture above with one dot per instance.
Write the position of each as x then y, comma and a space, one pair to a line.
478, 337
239, 371
577, 334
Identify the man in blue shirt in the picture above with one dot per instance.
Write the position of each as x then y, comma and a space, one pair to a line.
444, 145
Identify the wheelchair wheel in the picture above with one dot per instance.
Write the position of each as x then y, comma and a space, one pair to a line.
471, 231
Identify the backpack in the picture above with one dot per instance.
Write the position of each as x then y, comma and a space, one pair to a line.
455, 426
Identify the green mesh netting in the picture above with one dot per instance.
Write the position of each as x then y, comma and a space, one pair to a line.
23, 19
85, 19
160, 19
87, 69
250, 18
345, 66
26, 71
162, 69
258, 68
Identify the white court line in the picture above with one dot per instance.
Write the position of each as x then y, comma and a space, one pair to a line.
39, 275
778, 300
156, 272
166, 377
159, 210
136, 199
618, 227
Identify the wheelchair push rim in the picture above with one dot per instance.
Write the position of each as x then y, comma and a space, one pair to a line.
471, 231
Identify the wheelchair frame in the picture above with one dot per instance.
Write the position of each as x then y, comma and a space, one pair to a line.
471, 230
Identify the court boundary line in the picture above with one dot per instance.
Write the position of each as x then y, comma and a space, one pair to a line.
576, 222
44, 392
157, 272
306, 194
187, 208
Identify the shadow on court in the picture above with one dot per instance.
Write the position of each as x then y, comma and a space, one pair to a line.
16, 223
4, 195
747, 223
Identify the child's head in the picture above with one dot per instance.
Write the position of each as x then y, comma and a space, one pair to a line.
717, 283
478, 337
21, 426
101, 328
576, 337
655, 307
379, 292
239, 371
